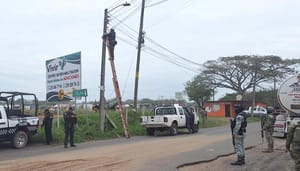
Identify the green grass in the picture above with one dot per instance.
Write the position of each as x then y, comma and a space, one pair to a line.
87, 127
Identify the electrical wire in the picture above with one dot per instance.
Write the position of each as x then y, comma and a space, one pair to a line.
177, 59
169, 59
156, 3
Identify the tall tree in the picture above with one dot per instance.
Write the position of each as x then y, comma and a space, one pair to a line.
199, 90
240, 73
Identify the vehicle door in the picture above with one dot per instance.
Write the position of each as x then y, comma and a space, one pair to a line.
181, 117
3, 122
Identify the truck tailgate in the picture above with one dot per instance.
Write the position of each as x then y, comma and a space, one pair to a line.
152, 120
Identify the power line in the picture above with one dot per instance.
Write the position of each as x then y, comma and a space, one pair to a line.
156, 3
163, 52
167, 58
166, 49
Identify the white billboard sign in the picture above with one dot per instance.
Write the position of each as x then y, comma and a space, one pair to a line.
63, 75
289, 94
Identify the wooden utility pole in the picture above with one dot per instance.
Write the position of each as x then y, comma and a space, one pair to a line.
140, 41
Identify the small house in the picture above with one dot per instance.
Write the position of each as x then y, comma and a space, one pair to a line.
226, 108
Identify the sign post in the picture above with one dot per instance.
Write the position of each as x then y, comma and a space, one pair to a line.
81, 93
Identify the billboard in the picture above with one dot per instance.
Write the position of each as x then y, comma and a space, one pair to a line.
289, 94
63, 75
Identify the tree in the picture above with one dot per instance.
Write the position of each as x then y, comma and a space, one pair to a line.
199, 89
265, 96
241, 73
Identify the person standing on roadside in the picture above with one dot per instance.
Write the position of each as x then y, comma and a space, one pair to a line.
203, 114
268, 128
293, 144
70, 121
239, 125
47, 123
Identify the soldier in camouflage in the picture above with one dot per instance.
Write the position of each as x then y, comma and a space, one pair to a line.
239, 134
268, 128
293, 143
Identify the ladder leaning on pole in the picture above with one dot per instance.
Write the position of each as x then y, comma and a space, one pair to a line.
110, 38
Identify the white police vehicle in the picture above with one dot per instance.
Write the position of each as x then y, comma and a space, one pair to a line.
18, 121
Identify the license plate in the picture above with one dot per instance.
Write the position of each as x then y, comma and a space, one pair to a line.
278, 134
276, 129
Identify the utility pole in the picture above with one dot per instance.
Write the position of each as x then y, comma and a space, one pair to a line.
140, 41
254, 91
102, 79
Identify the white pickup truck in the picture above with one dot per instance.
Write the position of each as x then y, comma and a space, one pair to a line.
17, 123
257, 111
171, 118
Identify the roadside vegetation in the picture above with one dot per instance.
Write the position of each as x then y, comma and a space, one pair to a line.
87, 127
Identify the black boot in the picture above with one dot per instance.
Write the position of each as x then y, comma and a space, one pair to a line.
240, 161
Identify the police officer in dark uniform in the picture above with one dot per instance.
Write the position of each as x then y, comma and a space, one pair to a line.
47, 123
70, 121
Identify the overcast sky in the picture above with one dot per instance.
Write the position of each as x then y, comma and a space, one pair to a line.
34, 31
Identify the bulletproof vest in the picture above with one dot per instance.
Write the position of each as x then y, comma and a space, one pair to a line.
296, 138
269, 121
243, 125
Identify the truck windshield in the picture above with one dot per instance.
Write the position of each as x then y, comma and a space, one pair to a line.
165, 111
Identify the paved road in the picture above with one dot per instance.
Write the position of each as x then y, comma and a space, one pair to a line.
209, 152
196, 148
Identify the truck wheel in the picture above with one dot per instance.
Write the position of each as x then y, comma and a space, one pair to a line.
195, 128
20, 139
173, 129
150, 131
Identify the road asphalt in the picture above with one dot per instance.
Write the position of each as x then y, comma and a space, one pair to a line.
208, 153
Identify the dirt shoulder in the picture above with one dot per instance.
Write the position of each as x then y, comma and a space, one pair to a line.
255, 160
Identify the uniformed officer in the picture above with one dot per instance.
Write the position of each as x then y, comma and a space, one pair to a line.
293, 143
239, 134
70, 121
47, 123
268, 128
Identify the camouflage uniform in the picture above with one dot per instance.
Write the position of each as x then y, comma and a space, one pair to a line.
239, 133
267, 124
203, 114
293, 144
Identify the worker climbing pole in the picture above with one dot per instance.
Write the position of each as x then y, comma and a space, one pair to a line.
111, 42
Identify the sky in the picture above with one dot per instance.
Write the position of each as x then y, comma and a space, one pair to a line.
180, 35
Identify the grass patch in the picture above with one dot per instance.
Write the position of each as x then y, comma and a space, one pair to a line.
87, 127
